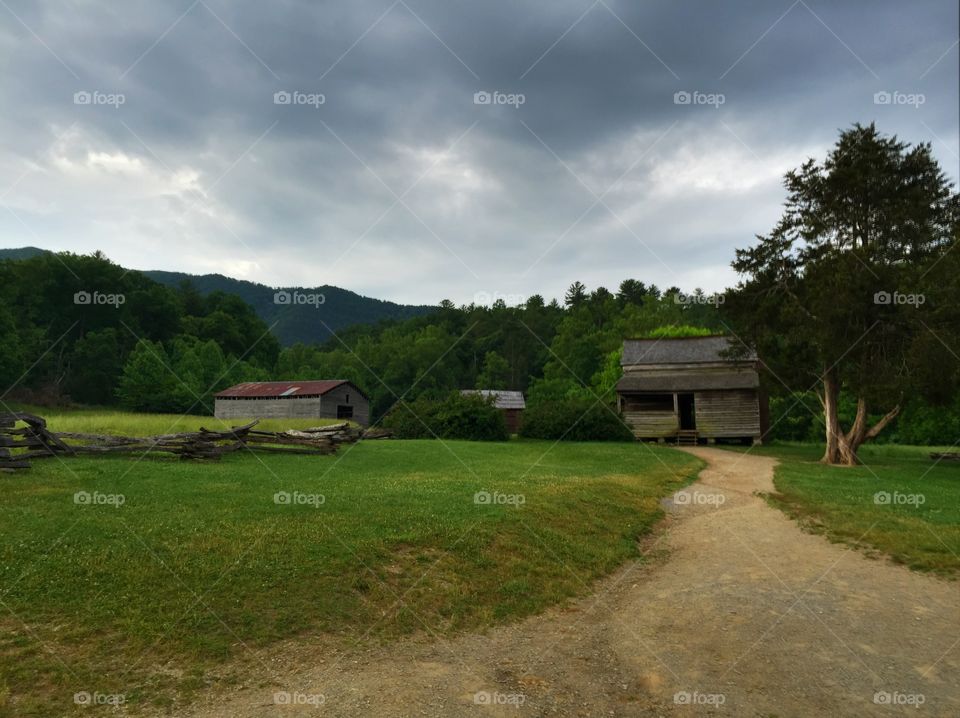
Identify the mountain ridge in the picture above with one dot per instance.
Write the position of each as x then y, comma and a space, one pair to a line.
309, 320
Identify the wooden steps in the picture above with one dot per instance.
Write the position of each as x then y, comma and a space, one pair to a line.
687, 437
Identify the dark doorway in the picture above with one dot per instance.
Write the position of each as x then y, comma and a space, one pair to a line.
688, 416
344, 412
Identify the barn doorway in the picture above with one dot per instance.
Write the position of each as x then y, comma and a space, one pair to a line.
688, 414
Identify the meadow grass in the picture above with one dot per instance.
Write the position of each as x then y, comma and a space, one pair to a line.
113, 421
899, 502
200, 563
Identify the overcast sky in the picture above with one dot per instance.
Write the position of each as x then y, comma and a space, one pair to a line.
152, 131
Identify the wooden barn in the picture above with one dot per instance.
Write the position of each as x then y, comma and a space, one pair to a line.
510, 403
329, 399
689, 390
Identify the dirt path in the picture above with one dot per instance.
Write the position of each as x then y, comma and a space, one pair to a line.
747, 616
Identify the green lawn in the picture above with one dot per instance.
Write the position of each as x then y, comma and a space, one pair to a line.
112, 421
197, 558
900, 502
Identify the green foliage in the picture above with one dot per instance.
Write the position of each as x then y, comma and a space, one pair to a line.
458, 416
76, 346
495, 374
95, 366
148, 383
827, 294
678, 331
182, 380
580, 419
12, 360
928, 425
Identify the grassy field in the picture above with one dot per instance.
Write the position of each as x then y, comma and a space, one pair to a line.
112, 421
163, 563
900, 502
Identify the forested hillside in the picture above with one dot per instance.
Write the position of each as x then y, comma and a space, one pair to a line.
337, 309
333, 308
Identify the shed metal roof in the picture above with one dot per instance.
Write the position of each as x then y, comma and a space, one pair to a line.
282, 389
690, 350
502, 399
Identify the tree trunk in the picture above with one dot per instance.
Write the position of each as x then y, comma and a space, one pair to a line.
831, 393
859, 434
842, 447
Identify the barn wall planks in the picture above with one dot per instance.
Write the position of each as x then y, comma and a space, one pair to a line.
267, 408
346, 395
324, 407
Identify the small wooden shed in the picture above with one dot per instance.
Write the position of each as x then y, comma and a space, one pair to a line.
510, 403
325, 399
690, 389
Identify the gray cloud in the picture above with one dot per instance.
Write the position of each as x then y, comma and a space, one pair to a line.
398, 185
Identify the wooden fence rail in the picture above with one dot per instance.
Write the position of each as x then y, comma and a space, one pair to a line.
35, 441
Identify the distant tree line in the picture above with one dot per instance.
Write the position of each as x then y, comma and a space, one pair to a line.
85, 329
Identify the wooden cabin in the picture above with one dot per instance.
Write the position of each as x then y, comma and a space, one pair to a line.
510, 403
690, 390
327, 399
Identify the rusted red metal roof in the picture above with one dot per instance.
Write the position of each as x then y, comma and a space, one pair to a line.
280, 389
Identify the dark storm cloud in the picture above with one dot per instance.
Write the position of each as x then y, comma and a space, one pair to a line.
398, 184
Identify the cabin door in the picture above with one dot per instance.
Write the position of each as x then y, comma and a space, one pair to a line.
688, 415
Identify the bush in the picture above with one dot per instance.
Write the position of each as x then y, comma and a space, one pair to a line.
458, 416
574, 420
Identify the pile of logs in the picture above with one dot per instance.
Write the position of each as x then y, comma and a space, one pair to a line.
38, 442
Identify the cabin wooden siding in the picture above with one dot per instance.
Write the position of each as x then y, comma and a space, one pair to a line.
652, 424
724, 386
727, 414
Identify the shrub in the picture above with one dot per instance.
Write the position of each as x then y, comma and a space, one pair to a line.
574, 420
458, 416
